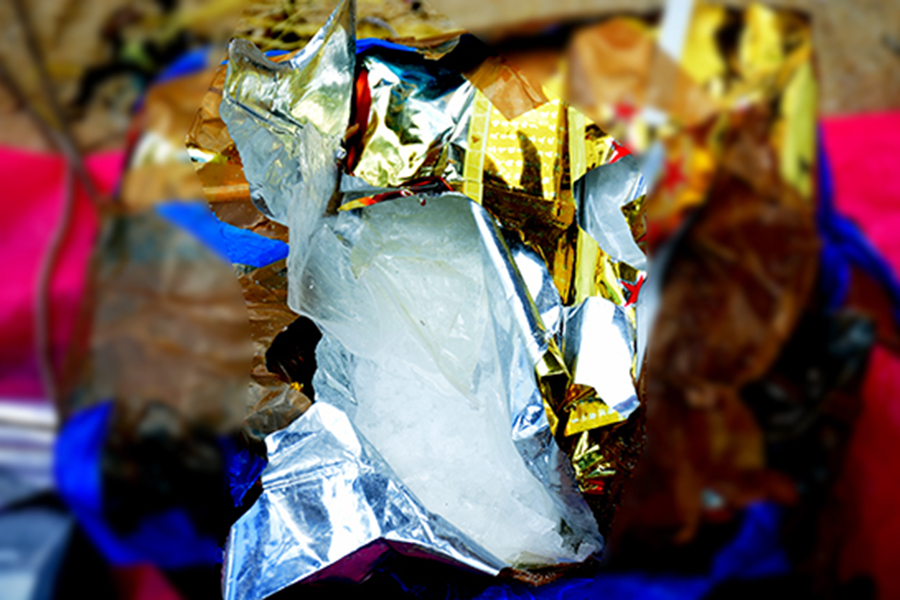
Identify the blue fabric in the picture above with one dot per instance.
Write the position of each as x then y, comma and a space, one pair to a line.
234, 244
166, 539
244, 468
754, 552
188, 63
78, 449
844, 246
369, 43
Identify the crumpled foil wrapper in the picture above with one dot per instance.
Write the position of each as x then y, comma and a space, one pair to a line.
327, 493
419, 119
521, 169
297, 110
519, 292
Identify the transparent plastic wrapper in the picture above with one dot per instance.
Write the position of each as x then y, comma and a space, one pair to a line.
304, 103
452, 272
426, 354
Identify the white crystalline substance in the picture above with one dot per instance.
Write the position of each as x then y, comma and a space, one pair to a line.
459, 461
404, 299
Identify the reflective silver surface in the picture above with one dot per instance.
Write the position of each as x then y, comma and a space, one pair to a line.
270, 109
519, 303
599, 347
539, 283
326, 494
522, 338
422, 294
418, 123
600, 195
400, 290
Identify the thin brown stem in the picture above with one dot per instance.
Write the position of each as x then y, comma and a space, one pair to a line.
43, 318
61, 136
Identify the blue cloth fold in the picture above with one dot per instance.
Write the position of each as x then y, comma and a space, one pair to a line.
235, 245
244, 468
167, 539
845, 246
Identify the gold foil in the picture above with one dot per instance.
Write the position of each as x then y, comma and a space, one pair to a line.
587, 413
526, 154
553, 381
527, 166
592, 465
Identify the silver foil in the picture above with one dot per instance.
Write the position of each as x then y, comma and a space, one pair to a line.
278, 114
519, 302
529, 427
418, 122
327, 493
342, 289
600, 195
539, 283
599, 349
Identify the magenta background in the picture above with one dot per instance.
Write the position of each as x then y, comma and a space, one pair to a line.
33, 191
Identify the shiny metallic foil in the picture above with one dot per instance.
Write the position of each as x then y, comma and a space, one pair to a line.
418, 121
515, 339
570, 228
291, 107
561, 225
327, 493
599, 350
219, 169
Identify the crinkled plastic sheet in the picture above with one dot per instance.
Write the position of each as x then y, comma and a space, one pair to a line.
601, 194
291, 114
466, 317
353, 352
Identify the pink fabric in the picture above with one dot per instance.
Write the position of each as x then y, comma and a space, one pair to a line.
34, 188
865, 157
